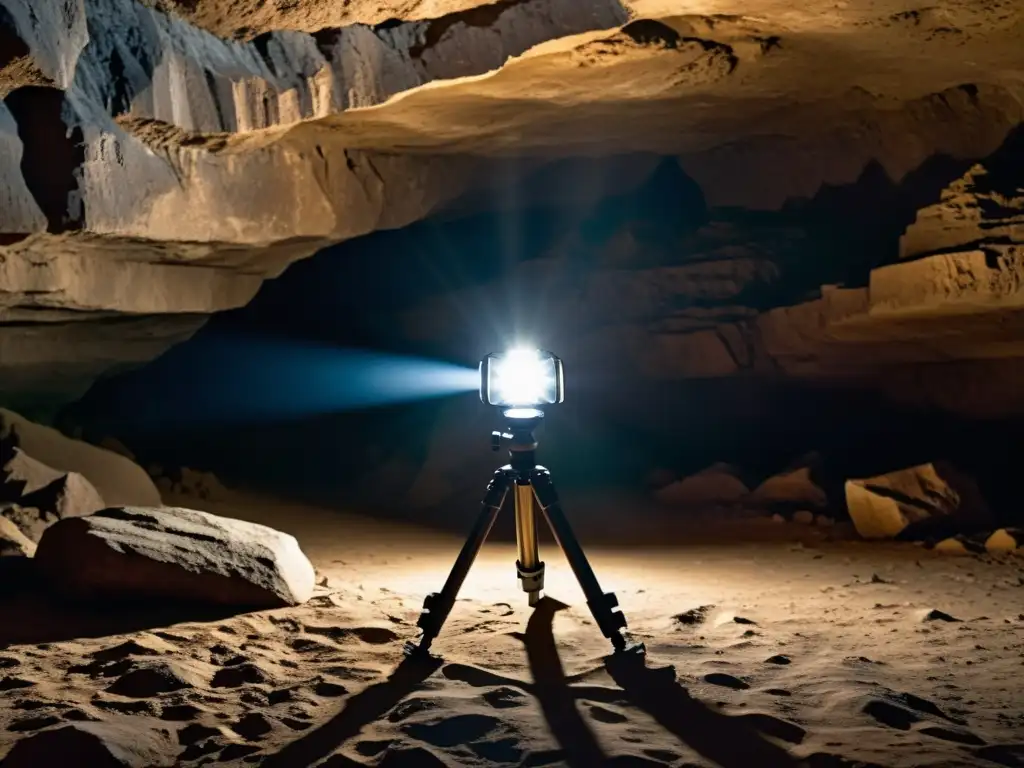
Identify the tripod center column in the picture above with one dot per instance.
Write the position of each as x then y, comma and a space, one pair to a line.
531, 570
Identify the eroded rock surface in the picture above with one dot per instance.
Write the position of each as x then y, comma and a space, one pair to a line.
169, 553
160, 160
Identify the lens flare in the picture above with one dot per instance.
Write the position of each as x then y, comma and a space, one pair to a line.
522, 377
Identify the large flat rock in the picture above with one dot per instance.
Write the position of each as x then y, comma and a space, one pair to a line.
174, 554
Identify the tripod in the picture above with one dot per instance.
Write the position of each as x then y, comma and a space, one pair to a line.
531, 483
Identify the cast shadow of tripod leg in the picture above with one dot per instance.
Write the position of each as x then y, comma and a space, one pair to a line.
556, 699
724, 740
360, 710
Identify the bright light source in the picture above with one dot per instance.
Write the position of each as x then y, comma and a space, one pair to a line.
521, 377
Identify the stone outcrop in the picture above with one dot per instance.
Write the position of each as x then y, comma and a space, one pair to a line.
37, 457
159, 160
916, 502
716, 486
182, 555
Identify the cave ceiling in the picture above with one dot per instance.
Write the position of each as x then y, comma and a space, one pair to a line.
160, 159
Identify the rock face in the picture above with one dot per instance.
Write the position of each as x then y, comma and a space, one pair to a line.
794, 491
128, 553
40, 456
913, 501
160, 160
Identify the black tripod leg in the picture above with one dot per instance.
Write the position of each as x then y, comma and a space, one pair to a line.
438, 605
603, 605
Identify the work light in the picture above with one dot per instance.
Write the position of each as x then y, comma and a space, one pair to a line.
521, 382
521, 378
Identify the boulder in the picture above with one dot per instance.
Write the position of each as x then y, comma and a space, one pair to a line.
14, 543
36, 496
175, 554
794, 489
915, 503
1005, 540
92, 745
118, 480
717, 485
20, 474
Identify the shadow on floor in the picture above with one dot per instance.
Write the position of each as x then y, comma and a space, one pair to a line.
728, 741
34, 615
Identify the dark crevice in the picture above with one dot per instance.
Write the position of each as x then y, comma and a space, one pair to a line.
480, 16
12, 47
52, 156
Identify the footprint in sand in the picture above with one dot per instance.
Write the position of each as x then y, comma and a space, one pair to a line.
245, 673
15, 683
605, 715
180, 713
904, 711
252, 726
312, 646
329, 689
193, 733
33, 723
453, 731
411, 707
125, 707
726, 681
7, 662
504, 697
149, 680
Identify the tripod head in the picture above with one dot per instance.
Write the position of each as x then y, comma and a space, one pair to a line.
519, 437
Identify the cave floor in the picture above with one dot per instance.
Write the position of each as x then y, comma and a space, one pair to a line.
788, 649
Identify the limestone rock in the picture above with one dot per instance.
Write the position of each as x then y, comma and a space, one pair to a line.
21, 474
118, 480
795, 489
928, 496
13, 543
174, 554
984, 205
33, 496
93, 745
1005, 540
70, 495
137, 139
717, 485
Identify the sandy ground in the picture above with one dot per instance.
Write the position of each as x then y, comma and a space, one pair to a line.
785, 652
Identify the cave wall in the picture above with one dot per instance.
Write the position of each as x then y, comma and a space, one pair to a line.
691, 334
162, 159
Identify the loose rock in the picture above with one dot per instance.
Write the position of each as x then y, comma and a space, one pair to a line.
885, 506
174, 553
719, 484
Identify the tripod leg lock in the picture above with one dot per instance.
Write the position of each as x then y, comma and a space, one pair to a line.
610, 618
429, 616
532, 579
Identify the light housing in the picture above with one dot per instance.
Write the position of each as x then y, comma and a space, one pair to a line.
521, 378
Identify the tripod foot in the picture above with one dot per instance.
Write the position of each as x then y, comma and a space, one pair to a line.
419, 650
